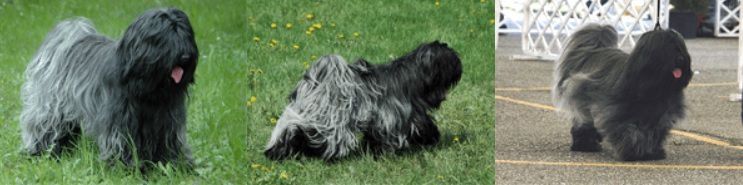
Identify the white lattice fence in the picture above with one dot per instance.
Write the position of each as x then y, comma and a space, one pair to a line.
727, 16
547, 24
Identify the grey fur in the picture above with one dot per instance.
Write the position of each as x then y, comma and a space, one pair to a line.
117, 92
388, 103
631, 99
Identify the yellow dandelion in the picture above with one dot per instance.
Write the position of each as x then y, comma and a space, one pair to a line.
317, 25
356, 34
311, 29
340, 36
306, 65
253, 99
273, 25
313, 57
273, 121
492, 21
437, 3
284, 175
295, 46
308, 32
482, 1
288, 26
455, 139
273, 43
309, 16
256, 39
255, 166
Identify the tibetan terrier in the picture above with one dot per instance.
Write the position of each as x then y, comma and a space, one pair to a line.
128, 95
633, 100
388, 103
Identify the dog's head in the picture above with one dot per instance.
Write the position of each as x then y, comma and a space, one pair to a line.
660, 61
439, 67
158, 53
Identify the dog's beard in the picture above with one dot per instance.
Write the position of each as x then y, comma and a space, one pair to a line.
388, 103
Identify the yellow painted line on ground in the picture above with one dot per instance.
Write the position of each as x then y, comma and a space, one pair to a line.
516, 89
621, 165
686, 134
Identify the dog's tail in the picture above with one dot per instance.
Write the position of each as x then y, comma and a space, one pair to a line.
43, 80
328, 105
570, 73
57, 44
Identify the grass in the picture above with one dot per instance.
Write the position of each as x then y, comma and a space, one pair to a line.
377, 31
216, 126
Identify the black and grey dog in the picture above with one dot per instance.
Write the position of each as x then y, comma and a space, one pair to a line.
631, 99
388, 103
127, 95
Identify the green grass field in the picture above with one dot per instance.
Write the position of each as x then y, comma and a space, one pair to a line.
246, 70
377, 31
216, 121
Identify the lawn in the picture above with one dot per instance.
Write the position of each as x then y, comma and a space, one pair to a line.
287, 36
216, 122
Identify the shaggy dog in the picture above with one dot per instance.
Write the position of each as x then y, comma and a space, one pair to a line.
631, 99
127, 95
388, 103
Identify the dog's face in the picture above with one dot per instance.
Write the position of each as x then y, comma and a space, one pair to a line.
661, 59
158, 52
440, 67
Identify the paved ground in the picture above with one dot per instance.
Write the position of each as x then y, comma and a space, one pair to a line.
532, 142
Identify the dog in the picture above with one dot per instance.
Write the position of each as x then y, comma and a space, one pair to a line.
633, 100
388, 103
128, 95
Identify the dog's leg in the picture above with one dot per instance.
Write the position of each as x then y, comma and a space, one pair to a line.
42, 131
634, 143
585, 137
423, 132
291, 140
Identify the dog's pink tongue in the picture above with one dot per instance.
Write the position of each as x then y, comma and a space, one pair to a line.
177, 74
677, 73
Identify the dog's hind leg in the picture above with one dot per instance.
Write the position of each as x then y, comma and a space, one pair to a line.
585, 137
44, 130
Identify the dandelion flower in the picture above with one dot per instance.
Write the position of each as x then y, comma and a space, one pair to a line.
356, 34
255, 166
273, 121
437, 3
455, 139
306, 65
273, 25
288, 26
253, 99
313, 57
309, 16
284, 175
308, 32
482, 1
295, 46
256, 39
492, 21
273, 43
317, 25
311, 29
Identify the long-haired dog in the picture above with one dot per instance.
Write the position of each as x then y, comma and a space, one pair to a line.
388, 103
631, 99
128, 95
